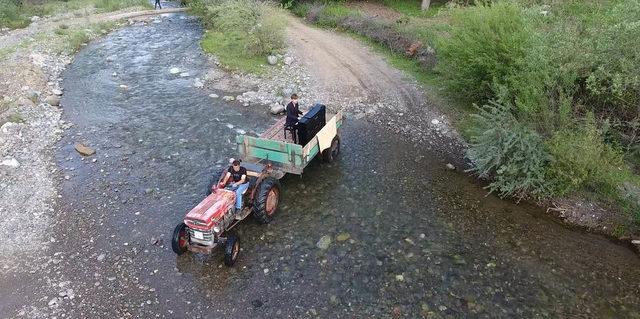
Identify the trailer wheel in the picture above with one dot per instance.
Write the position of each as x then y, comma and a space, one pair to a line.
231, 250
266, 201
331, 154
180, 239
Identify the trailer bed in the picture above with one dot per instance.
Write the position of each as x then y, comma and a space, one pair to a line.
276, 132
282, 154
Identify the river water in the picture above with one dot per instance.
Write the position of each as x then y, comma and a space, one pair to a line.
422, 241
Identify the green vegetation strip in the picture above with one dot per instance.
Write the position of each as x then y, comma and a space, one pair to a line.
545, 92
16, 14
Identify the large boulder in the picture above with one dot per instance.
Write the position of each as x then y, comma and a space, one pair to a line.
52, 100
288, 60
272, 59
84, 150
276, 108
33, 96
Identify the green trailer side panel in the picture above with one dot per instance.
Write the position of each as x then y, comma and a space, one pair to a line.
312, 152
275, 151
269, 144
273, 156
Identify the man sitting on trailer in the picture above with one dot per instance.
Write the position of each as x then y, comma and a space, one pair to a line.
238, 176
293, 111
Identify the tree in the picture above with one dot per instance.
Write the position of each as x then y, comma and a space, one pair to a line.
425, 5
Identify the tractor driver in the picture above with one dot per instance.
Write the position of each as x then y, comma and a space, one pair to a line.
238, 176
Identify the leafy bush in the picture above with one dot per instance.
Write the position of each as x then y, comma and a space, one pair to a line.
258, 26
301, 9
11, 16
240, 33
581, 159
487, 44
331, 14
513, 154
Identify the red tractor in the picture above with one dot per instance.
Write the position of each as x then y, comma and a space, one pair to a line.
209, 224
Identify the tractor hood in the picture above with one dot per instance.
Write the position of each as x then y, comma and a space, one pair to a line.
211, 209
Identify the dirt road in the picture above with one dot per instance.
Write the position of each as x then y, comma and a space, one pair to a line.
350, 75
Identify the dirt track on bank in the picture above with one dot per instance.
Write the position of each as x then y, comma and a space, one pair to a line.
350, 75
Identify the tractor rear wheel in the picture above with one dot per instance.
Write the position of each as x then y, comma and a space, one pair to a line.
180, 239
231, 250
266, 200
331, 154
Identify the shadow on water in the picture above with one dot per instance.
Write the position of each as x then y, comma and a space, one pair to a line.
408, 237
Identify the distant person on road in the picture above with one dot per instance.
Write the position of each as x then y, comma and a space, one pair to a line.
293, 113
157, 5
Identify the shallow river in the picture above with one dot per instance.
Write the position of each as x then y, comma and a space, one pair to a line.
423, 241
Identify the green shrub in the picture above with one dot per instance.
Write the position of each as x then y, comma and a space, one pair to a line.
508, 151
486, 46
241, 33
331, 14
11, 15
115, 5
257, 26
582, 160
300, 9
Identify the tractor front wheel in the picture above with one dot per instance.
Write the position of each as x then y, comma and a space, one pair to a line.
180, 239
266, 200
231, 250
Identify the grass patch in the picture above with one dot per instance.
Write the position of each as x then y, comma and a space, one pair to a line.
70, 39
413, 9
241, 33
230, 53
15, 14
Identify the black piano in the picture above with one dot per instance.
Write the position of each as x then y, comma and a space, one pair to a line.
311, 123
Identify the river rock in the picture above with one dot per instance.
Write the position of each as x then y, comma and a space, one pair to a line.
272, 59
53, 303
23, 101
84, 150
228, 98
174, 70
213, 96
343, 237
184, 74
56, 92
324, 242
35, 18
52, 100
198, 84
10, 161
276, 108
435, 121
33, 96
450, 166
288, 60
